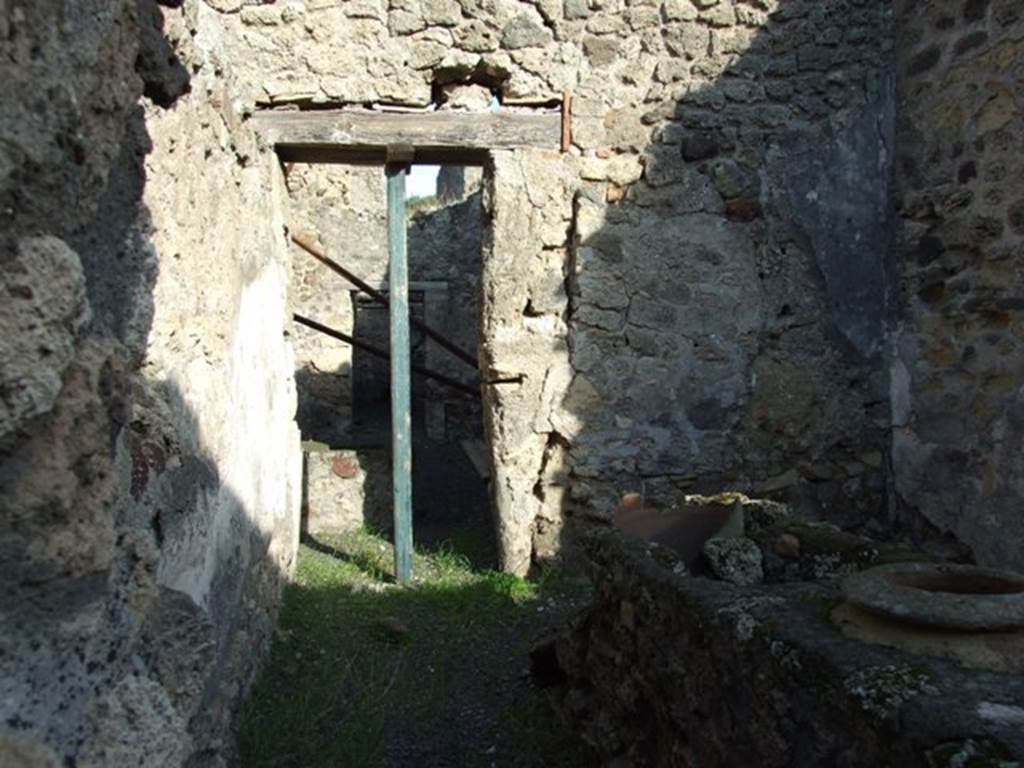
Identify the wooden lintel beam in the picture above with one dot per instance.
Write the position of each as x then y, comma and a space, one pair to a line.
566, 120
350, 155
363, 136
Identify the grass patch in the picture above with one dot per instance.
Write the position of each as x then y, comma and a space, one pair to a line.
362, 669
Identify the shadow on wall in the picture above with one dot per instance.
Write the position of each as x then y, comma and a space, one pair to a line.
350, 405
320, 416
726, 309
445, 245
958, 409
140, 592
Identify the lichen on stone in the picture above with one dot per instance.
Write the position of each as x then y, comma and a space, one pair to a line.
971, 753
881, 691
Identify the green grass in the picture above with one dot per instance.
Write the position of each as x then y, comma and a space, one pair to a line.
342, 680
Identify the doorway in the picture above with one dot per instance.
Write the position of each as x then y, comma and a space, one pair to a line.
344, 408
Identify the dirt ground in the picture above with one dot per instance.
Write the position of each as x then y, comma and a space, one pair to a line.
437, 675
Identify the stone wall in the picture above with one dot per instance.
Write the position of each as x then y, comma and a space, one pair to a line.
711, 277
445, 241
709, 258
346, 490
957, 365
671, 670
148, 457
525, 342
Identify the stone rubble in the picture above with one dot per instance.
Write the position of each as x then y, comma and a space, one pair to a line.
735, 560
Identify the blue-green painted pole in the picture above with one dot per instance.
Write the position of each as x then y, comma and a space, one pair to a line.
401, 421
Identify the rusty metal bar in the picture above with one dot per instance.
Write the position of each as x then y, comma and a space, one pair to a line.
380, 298
384, 354
566, 120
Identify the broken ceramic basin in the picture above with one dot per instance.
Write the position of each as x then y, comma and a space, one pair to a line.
684, 528
963, 597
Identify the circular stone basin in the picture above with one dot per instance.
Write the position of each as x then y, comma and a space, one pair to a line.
963, 597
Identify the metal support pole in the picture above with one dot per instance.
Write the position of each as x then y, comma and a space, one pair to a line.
401, 421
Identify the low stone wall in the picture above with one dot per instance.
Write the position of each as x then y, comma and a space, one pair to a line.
345, 490
671, 670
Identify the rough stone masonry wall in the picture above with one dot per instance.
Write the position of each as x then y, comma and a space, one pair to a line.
148, 458
709, 258
958, 360
672, 671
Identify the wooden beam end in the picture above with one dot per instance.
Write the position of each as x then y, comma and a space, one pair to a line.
400, 153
